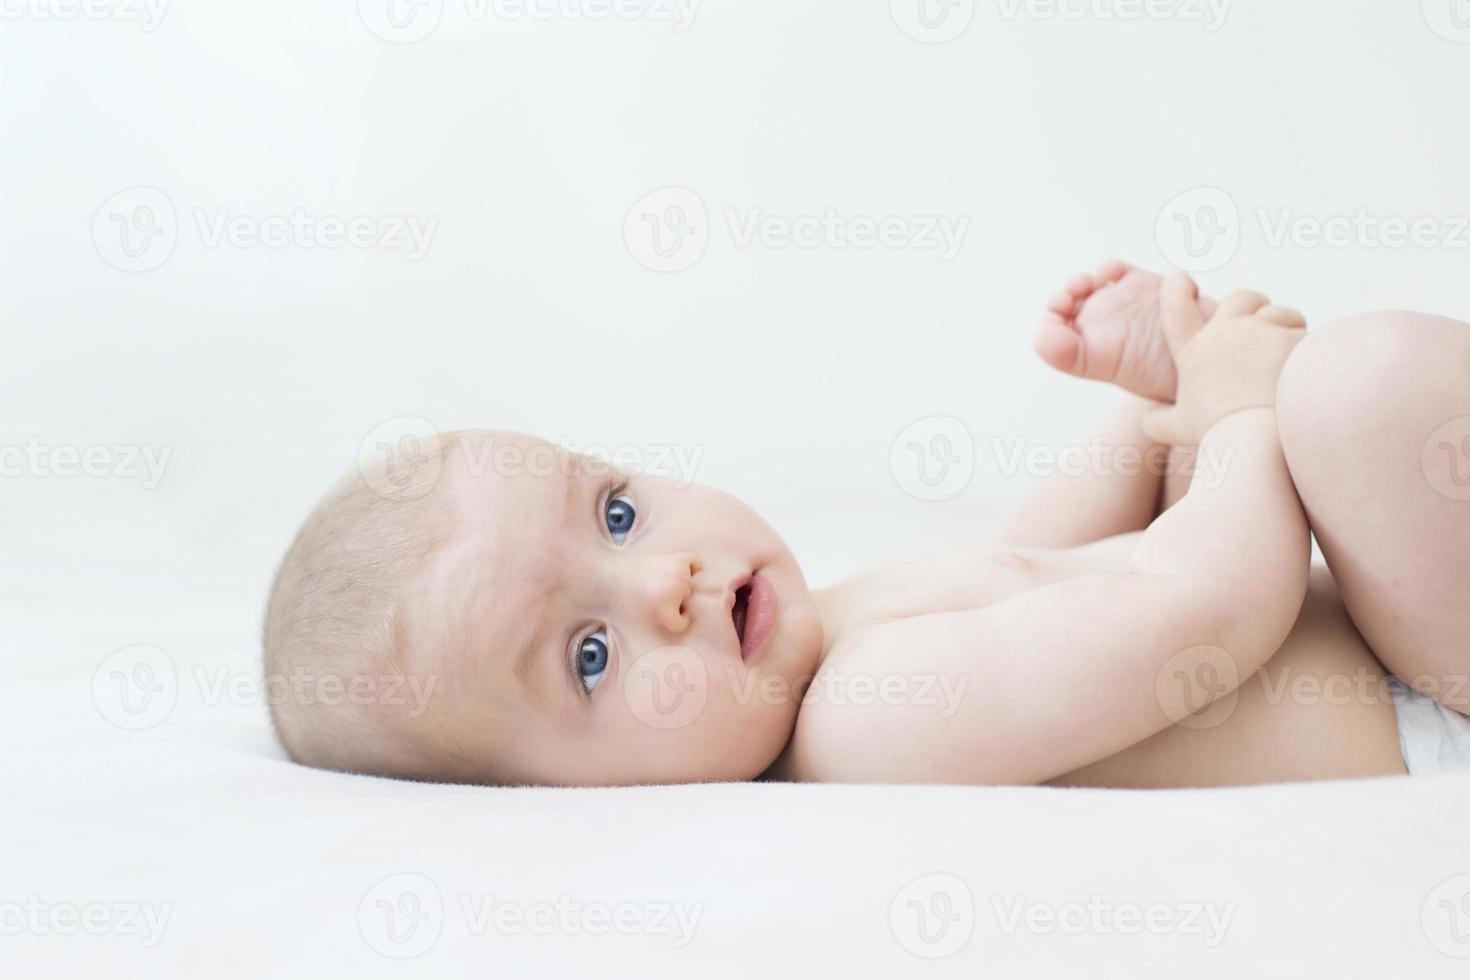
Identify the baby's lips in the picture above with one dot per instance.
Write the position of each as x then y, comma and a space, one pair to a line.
760, 615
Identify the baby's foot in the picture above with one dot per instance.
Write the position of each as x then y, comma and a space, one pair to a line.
1107, 327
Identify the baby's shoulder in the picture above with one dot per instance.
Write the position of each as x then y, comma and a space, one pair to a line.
855, 704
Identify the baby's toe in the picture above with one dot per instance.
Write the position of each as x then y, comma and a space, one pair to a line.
1112, 270
1058, 343
1064, 305
1081, 286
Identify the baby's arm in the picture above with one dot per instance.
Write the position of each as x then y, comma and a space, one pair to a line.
1065, 510
1064, 675
1130, 478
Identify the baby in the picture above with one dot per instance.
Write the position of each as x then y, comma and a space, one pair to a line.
566, 623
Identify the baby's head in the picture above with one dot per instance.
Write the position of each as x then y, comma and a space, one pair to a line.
500, 610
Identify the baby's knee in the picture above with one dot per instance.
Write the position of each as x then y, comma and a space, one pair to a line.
1331, 389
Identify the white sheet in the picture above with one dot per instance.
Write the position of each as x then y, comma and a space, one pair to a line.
264, 866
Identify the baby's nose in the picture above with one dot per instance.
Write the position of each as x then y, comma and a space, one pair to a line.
668, 583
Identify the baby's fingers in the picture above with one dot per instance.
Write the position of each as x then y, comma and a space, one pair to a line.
1164, 425
1243, 303
1179, 301
1283, 317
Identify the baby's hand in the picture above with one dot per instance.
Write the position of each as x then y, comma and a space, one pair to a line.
1227, 365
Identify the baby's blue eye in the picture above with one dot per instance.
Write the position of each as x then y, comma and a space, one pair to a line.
620, 516
592, 659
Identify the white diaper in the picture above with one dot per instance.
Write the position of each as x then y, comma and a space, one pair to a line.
1432, 737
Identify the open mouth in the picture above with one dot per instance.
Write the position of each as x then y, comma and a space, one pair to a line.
738, 611
753, 612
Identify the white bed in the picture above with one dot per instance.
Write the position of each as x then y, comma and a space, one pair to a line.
252, 866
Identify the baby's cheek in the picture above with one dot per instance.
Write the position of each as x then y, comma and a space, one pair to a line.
666, 688
752, 715
694, 721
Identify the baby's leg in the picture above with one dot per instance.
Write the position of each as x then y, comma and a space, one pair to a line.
1374, 415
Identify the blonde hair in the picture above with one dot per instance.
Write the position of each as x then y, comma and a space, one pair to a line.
336, 619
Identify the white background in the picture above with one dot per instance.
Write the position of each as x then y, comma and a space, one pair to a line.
790, 371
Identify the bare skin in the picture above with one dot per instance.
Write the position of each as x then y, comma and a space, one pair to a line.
1315, 705
1124, 633
1067, 673
1106, 327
